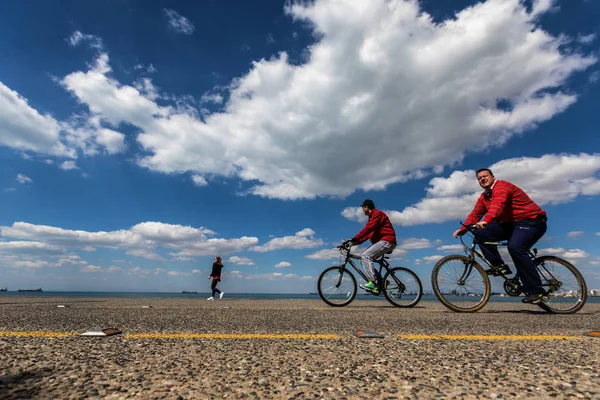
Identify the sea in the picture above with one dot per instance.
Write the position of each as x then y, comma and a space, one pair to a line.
255, 296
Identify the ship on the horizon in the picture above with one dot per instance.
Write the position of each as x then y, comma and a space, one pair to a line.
31, 290
185, 291
4, 290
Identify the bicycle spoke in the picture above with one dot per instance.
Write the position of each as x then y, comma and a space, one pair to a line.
402, 287
459, 285
565, 285
336, 286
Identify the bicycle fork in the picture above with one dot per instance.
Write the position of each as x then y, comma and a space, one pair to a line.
465, 275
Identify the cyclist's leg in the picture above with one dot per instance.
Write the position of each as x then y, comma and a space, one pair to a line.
525, 235
493, 232
373, 252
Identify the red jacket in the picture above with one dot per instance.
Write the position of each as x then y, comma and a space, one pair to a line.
378, 228
504, 203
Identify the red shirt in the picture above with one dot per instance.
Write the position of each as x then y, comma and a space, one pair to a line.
378, 228
505, 202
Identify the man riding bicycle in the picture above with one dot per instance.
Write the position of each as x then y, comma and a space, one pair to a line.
380, 231
508, 214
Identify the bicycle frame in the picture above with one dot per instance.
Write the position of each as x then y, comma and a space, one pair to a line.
383, 264
472, 252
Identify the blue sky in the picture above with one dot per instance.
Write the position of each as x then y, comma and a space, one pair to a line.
140, 139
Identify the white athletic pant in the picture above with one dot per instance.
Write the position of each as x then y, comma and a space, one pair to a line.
372, 253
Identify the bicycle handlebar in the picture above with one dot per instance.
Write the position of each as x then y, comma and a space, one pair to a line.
345, 245
469, 228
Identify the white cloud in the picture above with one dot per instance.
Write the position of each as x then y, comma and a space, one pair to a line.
68, 165
587, 39
550, 179
574, 234
415, 243
398, 253
77, 37
283, 264
150, 69
179, 23
432, 259
574, 253
240, 260
113, 141
36, 255
178, 273
140, 240
23, 179
277, 276
301, 240
147, 88
30, 248
451, 248
325, 254
91, 268
24, 128
542, 6
570, 254
354, 214
150, 255
212, 97
31, 264
234, 274
139, 272
199, 180
383, 69
306, 232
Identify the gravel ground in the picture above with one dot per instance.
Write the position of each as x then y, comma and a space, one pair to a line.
119, 367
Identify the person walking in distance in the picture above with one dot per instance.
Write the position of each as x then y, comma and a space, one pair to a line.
216, 278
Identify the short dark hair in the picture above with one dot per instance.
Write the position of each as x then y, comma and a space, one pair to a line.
369, 204
484, 169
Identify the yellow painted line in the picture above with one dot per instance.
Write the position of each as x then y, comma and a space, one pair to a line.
229, 336
491, 337
36, 334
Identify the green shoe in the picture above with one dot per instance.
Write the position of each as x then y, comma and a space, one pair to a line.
370, 287
500, 270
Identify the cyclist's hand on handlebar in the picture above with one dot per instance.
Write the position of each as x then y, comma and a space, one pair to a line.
459, 232
481, 225
347, 244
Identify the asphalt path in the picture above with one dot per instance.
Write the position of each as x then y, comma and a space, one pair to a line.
240, 348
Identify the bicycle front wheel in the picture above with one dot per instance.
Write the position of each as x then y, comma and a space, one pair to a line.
402, 287
337, 286
564, 284
460, 284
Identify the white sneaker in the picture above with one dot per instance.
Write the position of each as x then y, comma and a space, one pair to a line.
210, 298
221, 295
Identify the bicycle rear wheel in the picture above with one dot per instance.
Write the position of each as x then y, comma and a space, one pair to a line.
564, 284
460, 284
402, 287
336, 286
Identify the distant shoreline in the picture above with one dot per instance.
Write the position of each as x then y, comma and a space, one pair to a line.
203, 295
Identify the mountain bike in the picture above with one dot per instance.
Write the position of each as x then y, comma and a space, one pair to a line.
337, 285
462, 285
